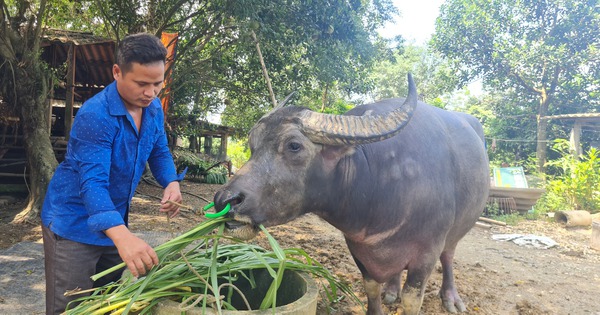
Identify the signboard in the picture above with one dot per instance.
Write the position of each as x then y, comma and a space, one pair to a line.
510, 177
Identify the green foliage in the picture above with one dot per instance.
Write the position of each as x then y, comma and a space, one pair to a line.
514, 129
202, 266
576, 183
541, 57
516, 43
433, 75
338, 107
308, 46
238, 152
493, 211
319, 49
204, 170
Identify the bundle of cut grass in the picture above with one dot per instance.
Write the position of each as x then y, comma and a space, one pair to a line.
199, 269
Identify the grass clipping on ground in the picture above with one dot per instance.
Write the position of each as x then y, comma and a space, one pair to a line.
199, 269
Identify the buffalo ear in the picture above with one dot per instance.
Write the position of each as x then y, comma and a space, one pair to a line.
333, 154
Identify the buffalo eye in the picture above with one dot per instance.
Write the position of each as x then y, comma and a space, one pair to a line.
294, 146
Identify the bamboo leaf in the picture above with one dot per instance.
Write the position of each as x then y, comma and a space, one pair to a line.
274, 245
194, 264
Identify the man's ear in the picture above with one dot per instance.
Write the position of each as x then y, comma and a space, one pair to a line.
116, 70
331, 155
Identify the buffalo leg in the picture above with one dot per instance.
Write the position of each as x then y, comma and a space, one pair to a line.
414, 286
392, 289
373, 290
450, 298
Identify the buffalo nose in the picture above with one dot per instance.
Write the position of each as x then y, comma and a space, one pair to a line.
224, 197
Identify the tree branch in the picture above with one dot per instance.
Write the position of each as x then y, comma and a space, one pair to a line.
114, 26
38, 28
554, 83
4, 15
524, 84
6, 48
264, 69
177, 6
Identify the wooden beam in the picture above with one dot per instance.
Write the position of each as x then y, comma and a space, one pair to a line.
492, 221
13, 188
12, 175
70, 97
575, 139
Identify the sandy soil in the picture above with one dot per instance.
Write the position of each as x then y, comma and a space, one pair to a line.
493, 277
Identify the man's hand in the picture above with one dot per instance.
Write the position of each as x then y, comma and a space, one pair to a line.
136, 253
172, 193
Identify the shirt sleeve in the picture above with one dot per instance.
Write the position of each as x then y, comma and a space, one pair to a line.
91, 147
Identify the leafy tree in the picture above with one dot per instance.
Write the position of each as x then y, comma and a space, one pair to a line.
315, 48
506, 122
544, 52
25, 82
311, 47
433, 75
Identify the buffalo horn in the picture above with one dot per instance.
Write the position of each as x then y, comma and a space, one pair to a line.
280, 104
285, 100
354, 130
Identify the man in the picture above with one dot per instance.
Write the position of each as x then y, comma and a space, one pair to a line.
85, 213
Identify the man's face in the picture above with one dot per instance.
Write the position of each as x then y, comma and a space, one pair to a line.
141, 84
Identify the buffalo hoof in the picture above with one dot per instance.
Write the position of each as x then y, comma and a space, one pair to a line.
389, 297
452, 302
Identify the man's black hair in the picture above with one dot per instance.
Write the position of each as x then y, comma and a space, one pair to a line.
142, 48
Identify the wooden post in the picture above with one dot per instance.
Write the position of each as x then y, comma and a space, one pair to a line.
223, 147
70, 96
574, 139
193, 143
207, 145
49, 117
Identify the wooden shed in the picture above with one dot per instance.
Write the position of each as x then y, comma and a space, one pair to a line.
579, 121
88, 60
202, 141
83, 63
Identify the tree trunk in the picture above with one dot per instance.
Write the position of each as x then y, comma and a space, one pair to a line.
542, 132
324, 98
540, 152
31, 89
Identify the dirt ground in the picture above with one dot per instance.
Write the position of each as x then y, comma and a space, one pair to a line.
493, 277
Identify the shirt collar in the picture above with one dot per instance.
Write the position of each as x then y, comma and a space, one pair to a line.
116, 106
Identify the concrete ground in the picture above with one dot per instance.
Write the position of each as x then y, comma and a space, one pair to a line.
22, 282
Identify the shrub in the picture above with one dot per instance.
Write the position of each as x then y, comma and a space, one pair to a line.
575, 183
238, 152
203, 169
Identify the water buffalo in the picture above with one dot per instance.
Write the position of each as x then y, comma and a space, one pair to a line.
404, 181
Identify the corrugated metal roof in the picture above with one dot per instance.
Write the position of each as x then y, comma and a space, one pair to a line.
573, 116
584, 119
94, 59
76, 37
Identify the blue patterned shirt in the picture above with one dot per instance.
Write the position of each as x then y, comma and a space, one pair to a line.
91, 189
